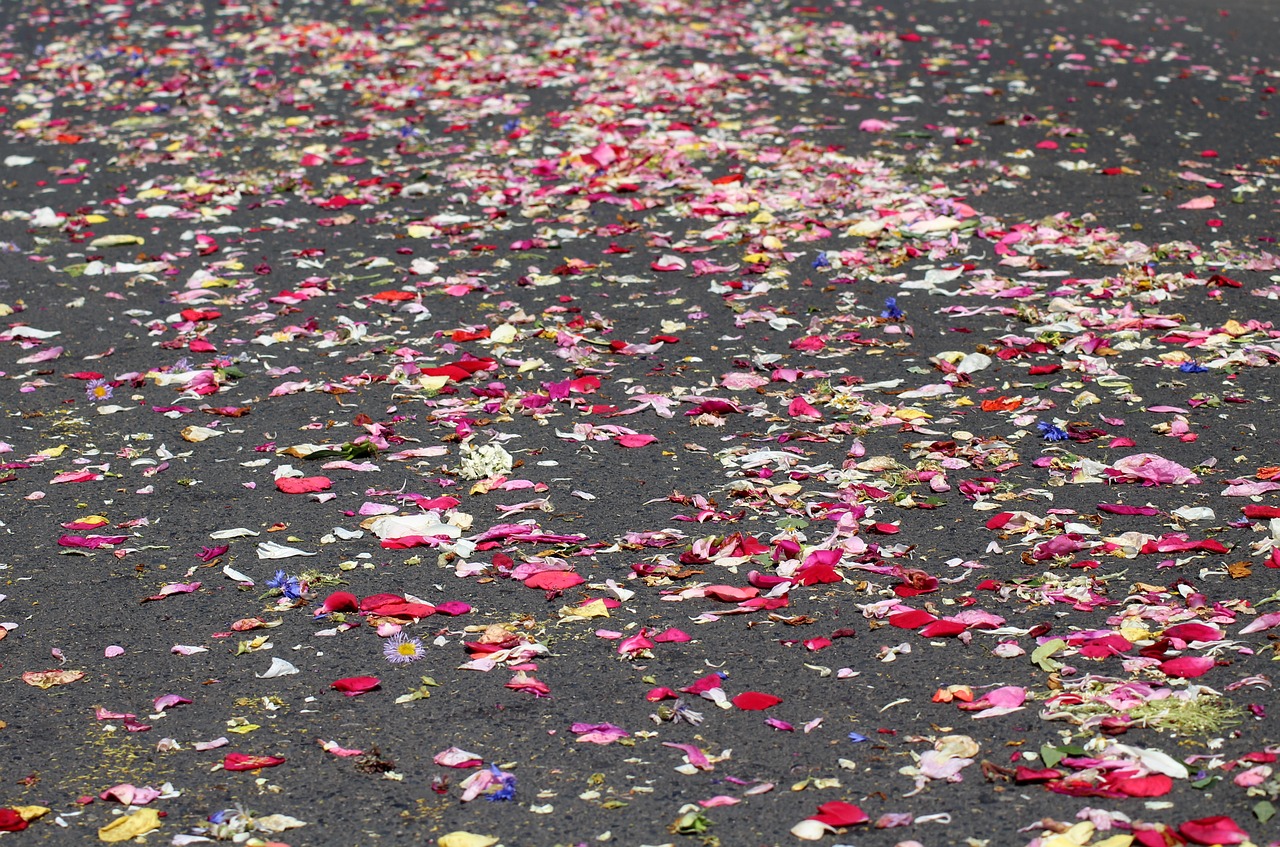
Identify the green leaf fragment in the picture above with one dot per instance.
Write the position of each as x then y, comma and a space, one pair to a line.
691, 823
1043, 655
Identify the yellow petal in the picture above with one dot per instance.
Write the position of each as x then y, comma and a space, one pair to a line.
504, 334
433, 383
30, 813
595, 609
115, 241
466, 839
130, 826
864, 229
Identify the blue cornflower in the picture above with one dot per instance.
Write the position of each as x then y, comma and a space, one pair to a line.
891, 310
290, 586
821, 261
508, 789
511, 125
1192, 367
1051, 432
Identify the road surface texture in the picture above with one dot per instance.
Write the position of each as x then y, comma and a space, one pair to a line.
640, 423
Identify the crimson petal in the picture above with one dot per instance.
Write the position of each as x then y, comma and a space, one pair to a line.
755, 701
355, 685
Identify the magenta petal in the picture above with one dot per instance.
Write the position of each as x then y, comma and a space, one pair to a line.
1187, 667
840, 813
1194, 632
168, 701
1218, 829
1262, 622
672, 635
706, 683
636, 643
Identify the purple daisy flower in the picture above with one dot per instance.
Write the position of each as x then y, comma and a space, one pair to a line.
98, 389
400, 649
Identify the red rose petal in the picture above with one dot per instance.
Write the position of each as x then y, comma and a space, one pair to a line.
341, 601
373, 601
404, 609
11, 821
817, 574
554, 580
943, 629
672, 635
304, 484
706, 683
1153, 785
840, 813
911, 619
729, 593
1194, 632
1025, 775
1218, 829
355, 685
755, 701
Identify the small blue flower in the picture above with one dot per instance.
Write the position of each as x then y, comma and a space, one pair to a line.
508, 789
511, 125
821, 261
1051, 432
1192, 367
891, 310
290, 586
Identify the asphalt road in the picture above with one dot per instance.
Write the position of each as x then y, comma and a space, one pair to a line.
639, 423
